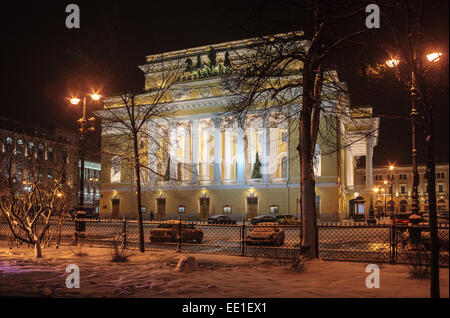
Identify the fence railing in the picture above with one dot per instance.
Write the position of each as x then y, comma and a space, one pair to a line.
337, 241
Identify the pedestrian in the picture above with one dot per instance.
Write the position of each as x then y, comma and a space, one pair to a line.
151, 215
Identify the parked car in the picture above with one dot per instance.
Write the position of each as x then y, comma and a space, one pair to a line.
262, 218
287, 219
84, 213
266, 233
442, 217
169, 232
220, 219
400, 218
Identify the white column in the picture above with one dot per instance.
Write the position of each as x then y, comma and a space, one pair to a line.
186, 153
265, 151
152, 156
195, 148
228, 154
173, 152
240, 154
205, 154
217, 151
369, 155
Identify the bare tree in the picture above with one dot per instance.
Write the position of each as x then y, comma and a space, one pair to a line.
413, 34
134, 120
294, 68
28, 196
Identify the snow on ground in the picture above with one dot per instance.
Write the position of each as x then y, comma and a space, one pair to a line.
153, 275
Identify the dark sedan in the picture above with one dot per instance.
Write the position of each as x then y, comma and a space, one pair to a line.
84, 213
220, 219
262, 219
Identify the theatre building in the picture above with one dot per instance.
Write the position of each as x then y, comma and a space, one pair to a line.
205, 160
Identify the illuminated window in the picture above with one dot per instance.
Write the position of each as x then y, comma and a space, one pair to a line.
227, 209
273, 209
116, 163
19, 149
181, 209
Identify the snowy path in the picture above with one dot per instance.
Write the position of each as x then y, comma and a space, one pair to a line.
153, 275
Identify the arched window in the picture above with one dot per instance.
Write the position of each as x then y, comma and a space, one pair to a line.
116, 163
403, 205
284, 167
390, 206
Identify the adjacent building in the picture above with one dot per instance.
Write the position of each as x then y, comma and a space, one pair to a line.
50, 147
394, 188
91, 183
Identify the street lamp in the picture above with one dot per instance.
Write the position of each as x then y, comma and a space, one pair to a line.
371, 218
84, 121
394, 62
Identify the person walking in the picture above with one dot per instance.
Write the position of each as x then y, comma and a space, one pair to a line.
151, 215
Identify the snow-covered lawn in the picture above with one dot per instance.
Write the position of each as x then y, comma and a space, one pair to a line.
153, 275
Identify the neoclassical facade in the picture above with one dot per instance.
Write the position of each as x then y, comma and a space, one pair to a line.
202, 161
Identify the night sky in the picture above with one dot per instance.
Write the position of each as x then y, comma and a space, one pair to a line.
43, 62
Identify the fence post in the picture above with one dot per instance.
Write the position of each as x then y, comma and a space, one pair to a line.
393, 243
124, 232
242, 234
179, 236
76, 231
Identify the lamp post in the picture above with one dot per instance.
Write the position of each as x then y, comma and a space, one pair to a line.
391, 191
394, 62
371, 219
413, 116
84, 121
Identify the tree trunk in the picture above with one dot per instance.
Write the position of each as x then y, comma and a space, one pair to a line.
431, 190
309, 233
308, 206
138, 194
37, 249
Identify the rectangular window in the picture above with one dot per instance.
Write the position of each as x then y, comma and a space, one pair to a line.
440, 188
181, 209
274, 209
227, 209
402, 189
284, 136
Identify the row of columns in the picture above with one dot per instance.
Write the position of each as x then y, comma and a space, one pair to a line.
217, 144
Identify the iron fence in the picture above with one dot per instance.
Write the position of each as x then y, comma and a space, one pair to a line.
378, 243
